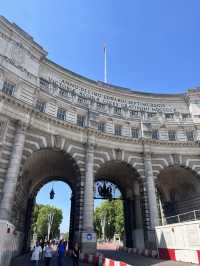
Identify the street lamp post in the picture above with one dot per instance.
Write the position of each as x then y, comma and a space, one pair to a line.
103, 223
50, 215
50, 222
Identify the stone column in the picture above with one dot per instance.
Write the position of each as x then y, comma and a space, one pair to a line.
129, 214
12, 173
138, 233
88, 235
71, 225
151, 191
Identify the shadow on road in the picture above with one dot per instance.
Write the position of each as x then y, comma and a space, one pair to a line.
25, 261
137, 260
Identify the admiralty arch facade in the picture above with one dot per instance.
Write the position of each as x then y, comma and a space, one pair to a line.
55, 124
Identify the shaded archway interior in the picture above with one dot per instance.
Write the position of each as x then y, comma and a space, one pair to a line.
120, 173
179, 190
126, 178
40, 168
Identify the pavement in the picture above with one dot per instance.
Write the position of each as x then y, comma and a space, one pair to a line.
131, 259
25, 261
137, 260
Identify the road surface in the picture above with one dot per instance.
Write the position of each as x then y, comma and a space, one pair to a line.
25, 261
137, 260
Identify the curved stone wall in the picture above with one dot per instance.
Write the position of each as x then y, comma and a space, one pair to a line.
97, 125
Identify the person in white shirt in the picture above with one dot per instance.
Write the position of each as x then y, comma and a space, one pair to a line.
48, 254
36, 254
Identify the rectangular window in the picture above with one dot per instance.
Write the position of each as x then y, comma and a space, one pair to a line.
117, 111
40, 106
190, 135
8, 88
44, 83
135, 133
101, 126
61, 114
151, 115
169, 116
172, 135
134, 113
118, 130
101, 106
185, 116
82, 100
63, 92
155, 134
80, 120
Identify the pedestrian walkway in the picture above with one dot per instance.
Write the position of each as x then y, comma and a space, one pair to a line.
137, 260
25, 261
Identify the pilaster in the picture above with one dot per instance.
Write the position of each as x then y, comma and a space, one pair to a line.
151, 191
13, 173
88, 239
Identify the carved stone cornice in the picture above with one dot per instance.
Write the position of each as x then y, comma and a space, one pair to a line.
122, 139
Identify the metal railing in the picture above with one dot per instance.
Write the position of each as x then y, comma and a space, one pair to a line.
182, 217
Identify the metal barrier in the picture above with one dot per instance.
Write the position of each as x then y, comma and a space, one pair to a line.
182, 217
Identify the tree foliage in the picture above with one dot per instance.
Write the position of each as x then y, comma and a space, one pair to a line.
110, 216
40, 221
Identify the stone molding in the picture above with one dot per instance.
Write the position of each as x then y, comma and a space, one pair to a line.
107, 136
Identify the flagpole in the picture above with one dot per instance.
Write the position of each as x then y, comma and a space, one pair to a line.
105, 63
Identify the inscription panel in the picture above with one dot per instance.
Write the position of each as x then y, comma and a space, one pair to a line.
70, 90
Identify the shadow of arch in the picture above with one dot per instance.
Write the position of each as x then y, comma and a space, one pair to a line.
116, 170
178, 190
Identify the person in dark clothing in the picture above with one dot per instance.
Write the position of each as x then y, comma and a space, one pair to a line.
61, 253
75, 254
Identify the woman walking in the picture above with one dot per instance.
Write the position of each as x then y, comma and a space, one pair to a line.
36, 254
48, 254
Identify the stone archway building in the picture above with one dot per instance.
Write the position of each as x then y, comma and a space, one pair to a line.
57, 124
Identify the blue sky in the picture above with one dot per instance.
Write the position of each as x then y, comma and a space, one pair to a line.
152, 45
62, 200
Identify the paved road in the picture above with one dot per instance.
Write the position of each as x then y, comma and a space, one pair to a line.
137, 260
25, 261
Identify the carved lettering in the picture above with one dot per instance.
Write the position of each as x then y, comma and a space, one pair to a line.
68, 90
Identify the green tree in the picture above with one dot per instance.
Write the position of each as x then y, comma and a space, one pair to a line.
40, 220
111, 213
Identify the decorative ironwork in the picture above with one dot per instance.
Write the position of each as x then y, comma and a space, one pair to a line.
52, 194
106, 190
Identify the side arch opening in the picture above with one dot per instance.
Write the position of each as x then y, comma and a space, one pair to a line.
178, 194
42, 167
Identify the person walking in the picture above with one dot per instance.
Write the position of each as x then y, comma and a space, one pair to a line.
75, 254
48, 254
36, 254
61, 253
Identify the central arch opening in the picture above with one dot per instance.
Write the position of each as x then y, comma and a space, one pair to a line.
51, 213
118, 184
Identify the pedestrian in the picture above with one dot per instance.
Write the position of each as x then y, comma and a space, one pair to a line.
61, 253
48, 253
75, 254
42, 244
36, 254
